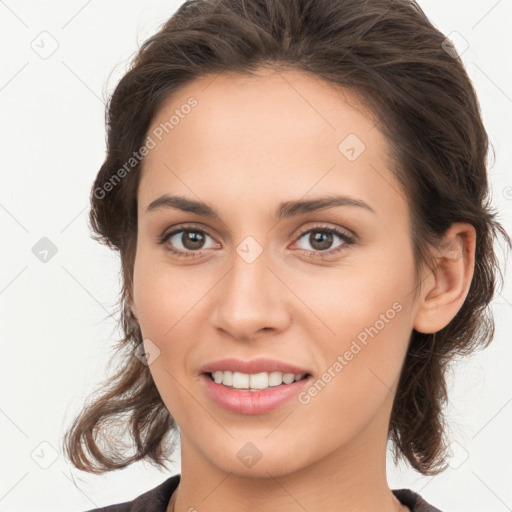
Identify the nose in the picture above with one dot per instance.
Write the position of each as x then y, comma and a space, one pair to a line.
251, 299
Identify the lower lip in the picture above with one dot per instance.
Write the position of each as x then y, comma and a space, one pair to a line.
252, 402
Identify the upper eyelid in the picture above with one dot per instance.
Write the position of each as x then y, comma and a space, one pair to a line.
320, 226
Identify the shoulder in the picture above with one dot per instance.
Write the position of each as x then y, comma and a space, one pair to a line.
154, 500
414, 501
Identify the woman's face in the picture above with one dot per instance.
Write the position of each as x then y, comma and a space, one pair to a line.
328, 290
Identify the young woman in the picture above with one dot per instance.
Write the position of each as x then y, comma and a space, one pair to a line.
298, 192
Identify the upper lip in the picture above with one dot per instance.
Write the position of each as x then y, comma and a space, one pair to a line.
252, 366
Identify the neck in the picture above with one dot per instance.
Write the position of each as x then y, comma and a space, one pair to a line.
352, 478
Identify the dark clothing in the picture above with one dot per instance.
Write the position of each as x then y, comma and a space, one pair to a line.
157, 499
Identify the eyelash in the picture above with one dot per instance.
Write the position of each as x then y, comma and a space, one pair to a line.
347, 239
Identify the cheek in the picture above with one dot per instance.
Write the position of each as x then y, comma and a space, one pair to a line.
165, 302
366, 289
369, 320
362, 365
164, 297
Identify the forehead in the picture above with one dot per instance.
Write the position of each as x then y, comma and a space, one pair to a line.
257, 138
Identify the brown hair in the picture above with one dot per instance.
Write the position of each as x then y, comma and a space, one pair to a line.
400, 66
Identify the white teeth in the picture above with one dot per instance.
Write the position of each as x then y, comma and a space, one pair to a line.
288, 378
258, 380
227, 378
275, 378
255, 381
240, 380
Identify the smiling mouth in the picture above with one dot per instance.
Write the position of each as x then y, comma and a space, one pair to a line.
255, 382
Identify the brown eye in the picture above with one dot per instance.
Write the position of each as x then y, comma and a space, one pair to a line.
321, 240
192, 240
186, 242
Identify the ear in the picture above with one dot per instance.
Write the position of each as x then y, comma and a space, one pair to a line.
444, 290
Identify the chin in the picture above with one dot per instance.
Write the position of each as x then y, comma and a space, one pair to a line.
259, 458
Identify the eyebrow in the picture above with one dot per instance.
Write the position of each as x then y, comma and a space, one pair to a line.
284, 210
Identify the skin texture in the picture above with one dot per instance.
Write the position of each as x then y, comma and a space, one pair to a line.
249, 144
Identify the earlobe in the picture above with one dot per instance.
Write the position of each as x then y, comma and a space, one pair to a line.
446, 288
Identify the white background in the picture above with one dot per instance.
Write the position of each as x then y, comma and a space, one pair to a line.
56, 334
